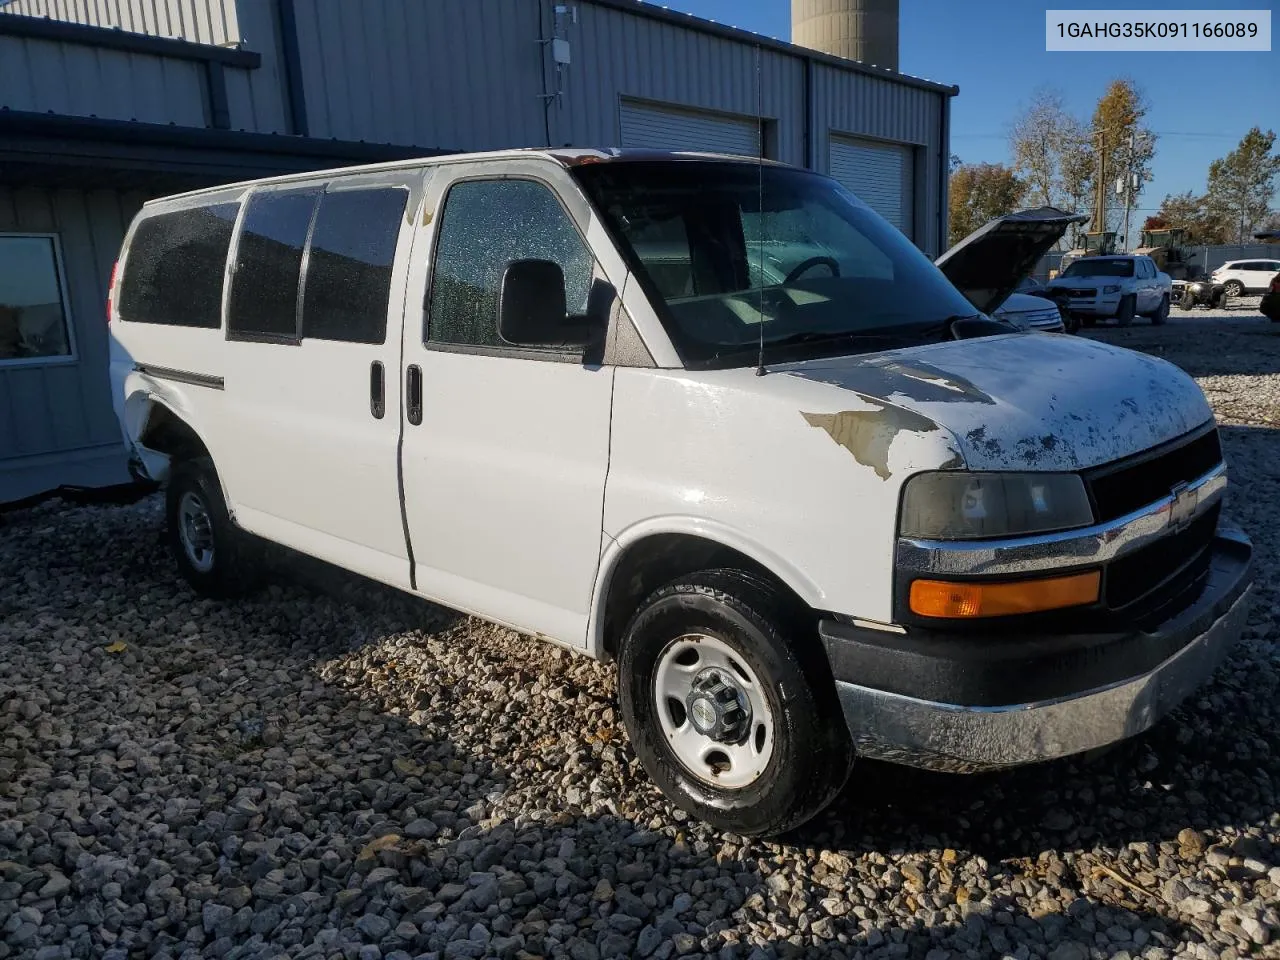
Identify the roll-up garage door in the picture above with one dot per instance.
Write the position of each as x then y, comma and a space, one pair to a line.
671, 128
880, 174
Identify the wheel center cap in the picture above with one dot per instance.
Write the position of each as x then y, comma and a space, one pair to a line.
716, 708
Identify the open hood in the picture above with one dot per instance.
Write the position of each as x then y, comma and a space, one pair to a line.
987, 265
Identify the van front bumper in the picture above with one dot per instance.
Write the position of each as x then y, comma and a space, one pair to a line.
951, 702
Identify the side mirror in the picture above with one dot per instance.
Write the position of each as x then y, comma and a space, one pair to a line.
531, 306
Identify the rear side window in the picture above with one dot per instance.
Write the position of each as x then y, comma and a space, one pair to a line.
348, 281
173, 271
264, 285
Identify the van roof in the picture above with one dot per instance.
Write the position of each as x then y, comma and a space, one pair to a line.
567, 156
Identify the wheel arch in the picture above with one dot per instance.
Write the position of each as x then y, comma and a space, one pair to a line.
647, 555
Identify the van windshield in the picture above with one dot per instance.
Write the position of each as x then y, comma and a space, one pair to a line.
735, 253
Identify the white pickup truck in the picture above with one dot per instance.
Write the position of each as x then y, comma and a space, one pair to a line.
1095, 288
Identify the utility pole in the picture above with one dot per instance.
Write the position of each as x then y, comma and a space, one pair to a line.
1128, 191
1100, 186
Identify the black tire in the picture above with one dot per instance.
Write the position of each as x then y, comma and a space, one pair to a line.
1089, 320
234, 566
812, 753
1162, 313
1128, 307
1233, 289
1188, 300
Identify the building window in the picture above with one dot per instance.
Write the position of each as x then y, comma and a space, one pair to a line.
486, 225
34, 324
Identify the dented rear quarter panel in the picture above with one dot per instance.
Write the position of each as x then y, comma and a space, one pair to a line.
802, 476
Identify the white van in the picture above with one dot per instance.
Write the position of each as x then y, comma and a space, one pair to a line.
809, 498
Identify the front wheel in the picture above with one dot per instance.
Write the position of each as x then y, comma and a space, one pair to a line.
212, 553
1128, 307
1233, 289
1162, 312
1188, 300
733, 716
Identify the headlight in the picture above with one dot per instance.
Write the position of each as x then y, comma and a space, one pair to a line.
969, 506
1112, 288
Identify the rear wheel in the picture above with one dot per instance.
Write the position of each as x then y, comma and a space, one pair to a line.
1162, 312
733, 716
216, 557
1233, 288
1128, 307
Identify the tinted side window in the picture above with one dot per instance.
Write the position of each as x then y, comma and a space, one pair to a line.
264, 286
348, 282
173, 271
486, 225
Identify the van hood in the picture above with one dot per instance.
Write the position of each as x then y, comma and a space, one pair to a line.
987, 265
1027, 401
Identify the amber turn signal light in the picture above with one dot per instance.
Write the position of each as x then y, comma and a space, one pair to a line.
940, 598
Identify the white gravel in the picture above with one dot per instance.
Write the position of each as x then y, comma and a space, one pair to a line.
332, 770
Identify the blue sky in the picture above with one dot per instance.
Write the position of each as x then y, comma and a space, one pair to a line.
1201, 103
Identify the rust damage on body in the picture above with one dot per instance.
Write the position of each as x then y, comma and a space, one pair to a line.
868, 434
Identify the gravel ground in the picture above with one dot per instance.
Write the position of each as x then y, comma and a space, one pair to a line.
332, 770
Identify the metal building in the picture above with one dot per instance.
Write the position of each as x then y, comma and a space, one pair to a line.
104, 103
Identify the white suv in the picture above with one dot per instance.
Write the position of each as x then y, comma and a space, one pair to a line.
827, 512
1120, 286
1239, 277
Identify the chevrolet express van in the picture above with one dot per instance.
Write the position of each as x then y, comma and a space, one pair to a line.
793, 481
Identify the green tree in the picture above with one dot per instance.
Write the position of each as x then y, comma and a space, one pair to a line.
1127, 146
1241, 184
980, 192
1186, 211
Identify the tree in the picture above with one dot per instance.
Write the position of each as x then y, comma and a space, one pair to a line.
980, 192
1242, 182
1045, 138
1155, 222
1186, 211
1126, 144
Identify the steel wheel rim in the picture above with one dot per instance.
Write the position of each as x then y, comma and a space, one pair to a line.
729, 765
195, 531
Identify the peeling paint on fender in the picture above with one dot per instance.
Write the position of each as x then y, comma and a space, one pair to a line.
868, 434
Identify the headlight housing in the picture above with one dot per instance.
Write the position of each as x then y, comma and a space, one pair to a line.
1111, 288
979, 506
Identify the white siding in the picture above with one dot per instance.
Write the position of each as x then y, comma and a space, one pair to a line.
664, 127
880, 174
201, 21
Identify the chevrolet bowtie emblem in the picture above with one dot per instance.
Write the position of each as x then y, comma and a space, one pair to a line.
1183, 506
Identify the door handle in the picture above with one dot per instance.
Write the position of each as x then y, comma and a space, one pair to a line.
413, 394
377, 390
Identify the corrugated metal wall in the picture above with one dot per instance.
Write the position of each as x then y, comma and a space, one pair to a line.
467, 75
43, 75
56, 419
862, 106
202, 21
618, 54
255, 98
454, 74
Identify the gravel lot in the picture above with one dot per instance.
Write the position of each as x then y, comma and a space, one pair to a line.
332, 770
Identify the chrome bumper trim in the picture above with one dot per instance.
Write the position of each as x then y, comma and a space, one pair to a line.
1053, 551
941, 736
